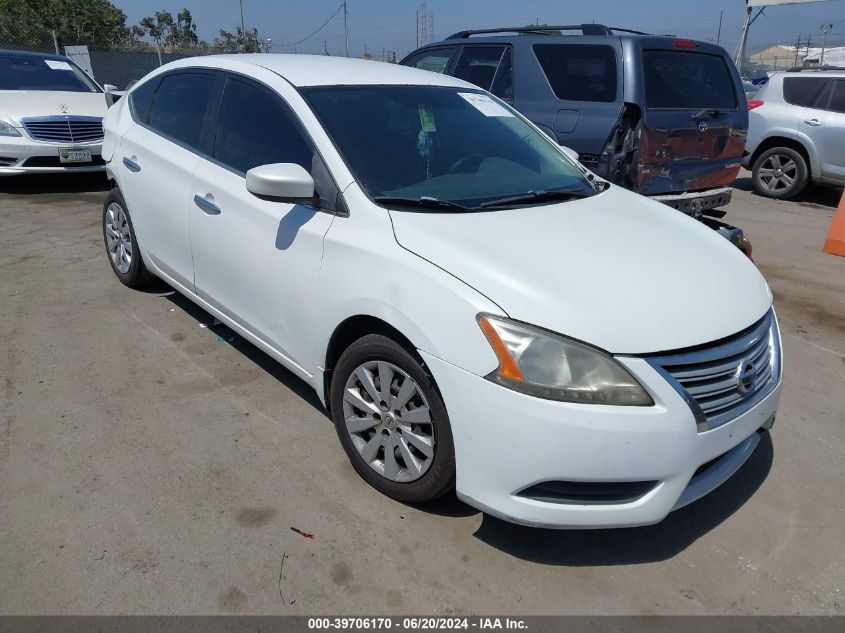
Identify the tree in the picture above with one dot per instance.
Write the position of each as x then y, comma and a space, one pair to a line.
28, 23
237, 42
181, 33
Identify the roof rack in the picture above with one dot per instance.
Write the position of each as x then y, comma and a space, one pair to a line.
543, 29
798, 69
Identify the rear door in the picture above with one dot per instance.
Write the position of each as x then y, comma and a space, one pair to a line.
582, 85
823, 121
694, 116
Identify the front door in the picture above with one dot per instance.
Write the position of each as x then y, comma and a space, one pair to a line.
256, 260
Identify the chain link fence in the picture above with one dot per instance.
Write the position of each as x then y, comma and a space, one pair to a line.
120, 64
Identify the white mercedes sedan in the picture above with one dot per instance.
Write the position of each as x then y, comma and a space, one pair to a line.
476, 311
51, 115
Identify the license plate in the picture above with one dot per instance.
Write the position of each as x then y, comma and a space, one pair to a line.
74, 155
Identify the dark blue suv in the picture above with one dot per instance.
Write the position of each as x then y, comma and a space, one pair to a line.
659, 115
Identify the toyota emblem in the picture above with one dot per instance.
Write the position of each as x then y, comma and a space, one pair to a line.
702, 126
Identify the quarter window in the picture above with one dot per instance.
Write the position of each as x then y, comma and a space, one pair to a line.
810, 92
140, 98
837, 102
255, 128
579, 72
180, 104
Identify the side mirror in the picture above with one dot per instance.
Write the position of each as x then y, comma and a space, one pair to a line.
570, 153
287, 182
112, 94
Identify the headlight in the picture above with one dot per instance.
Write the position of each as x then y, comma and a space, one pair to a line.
7, 129
547, 365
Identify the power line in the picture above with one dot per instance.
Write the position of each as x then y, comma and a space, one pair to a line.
322, 26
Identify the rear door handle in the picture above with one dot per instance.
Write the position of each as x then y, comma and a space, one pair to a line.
131, 164
206, 205
813, 122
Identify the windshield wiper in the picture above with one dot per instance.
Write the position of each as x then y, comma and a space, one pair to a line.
566, 193
425, 202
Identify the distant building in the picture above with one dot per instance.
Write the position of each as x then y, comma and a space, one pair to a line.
778, 57
832, 57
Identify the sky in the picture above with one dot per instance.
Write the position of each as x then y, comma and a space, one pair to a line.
391, 24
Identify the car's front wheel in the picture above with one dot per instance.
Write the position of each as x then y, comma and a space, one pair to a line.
780, 172
121, 243
391, 421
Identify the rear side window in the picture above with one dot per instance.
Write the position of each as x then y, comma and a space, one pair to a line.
478, 65
255, 128
436, 60
682, 80
810, 92
579, 72
180, 104
140, 99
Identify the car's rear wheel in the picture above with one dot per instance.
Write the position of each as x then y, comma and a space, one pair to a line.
780, 172
391, 421
121, 243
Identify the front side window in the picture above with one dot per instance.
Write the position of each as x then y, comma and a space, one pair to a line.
449, 144
254, 128
837, 101
683, 80
478, 64
140, 99
180, 104
19, 72
810, 92
579, 72
436, 60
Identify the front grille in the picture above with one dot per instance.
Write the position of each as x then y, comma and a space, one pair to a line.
723, 380
65, 129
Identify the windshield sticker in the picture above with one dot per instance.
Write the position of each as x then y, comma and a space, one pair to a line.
426, 120
57, 65
484, 104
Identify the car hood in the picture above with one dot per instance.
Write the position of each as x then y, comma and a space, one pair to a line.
615, 270
18, 104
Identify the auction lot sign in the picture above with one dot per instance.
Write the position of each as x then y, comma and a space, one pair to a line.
403, 624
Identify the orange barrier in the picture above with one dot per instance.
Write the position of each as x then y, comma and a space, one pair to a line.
835, 242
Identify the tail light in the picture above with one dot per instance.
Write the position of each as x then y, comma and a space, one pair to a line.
745, 247
681, 43
755, 103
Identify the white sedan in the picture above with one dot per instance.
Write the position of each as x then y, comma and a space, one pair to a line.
476, 312
51, 115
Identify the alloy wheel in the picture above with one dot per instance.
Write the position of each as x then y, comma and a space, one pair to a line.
389, 421
778, 173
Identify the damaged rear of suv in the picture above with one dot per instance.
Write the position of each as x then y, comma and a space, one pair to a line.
659, 115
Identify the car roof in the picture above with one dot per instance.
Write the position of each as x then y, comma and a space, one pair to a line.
322, 70
13, 53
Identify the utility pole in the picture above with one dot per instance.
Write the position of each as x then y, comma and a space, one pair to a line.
418, 29
346, 27
243, 29
719, 33
743, 39
825, 30
797, 49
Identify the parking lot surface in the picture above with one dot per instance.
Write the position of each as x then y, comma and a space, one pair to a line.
153, 464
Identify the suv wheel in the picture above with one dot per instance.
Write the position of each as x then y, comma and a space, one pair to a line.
780, 172
392, 422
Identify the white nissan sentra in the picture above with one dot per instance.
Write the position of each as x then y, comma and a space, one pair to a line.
476, 311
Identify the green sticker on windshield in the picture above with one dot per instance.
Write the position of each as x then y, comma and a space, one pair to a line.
426, 120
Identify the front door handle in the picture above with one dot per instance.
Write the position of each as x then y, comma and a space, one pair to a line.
813, 122
131, 164
206, 205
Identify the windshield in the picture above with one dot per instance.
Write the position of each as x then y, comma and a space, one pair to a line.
682, 80
34, 73
452, 145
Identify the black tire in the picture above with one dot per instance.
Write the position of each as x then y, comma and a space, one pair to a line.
137, 275
439, 478
772, 186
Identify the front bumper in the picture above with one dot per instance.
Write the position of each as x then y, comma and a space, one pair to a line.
506, 442
23, 155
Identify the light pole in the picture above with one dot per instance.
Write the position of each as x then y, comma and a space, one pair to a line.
346, 27
243, 29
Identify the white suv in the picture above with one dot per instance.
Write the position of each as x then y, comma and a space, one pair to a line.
796, 132
476, 311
